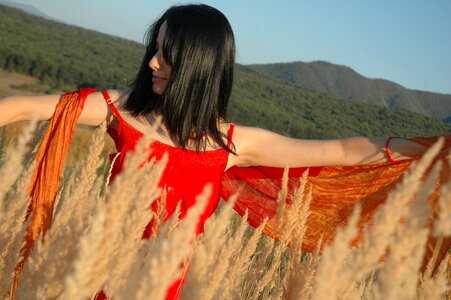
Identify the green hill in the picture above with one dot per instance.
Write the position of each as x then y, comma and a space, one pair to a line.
64, 57
342, 81
302, 113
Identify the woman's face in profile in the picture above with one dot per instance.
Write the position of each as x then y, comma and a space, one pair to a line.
160, 69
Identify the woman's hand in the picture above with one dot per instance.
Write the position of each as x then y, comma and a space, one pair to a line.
384, 149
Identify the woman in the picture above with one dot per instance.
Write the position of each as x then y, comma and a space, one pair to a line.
180, 97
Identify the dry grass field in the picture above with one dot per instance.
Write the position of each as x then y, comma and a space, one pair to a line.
95, 240
95, 243
14, 83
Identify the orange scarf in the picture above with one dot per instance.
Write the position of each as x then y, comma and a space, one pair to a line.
335, 190
49, 163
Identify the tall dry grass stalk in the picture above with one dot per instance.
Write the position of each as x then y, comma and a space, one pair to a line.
95, 242
61, 241
13, 167
210, 259
112, 246
14, 201
167, 254
443, 226
384, 234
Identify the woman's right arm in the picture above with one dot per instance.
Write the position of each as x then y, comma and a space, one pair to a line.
19, 108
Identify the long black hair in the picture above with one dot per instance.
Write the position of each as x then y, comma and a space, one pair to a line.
200, 48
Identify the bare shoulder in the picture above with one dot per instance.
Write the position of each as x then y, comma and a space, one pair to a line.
244, 136
97, 97
97, 110
117, 96
244, 139
239, 132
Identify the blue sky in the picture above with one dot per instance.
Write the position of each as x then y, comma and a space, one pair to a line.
408, 42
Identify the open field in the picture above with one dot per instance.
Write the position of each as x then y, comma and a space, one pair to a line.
95, 244
10, 79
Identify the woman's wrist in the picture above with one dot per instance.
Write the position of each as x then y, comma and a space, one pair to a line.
398, 148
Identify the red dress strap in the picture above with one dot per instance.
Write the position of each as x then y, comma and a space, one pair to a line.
229, 140
113, 107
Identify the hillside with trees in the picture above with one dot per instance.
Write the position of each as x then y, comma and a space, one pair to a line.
299, 112
65, 57
344, 82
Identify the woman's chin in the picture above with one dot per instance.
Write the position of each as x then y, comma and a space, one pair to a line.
158, 91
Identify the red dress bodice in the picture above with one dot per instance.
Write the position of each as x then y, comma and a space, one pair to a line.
186, 173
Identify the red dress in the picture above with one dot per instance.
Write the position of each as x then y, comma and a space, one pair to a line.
185, 176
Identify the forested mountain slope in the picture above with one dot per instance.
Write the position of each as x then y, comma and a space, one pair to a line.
344, 82
65, 57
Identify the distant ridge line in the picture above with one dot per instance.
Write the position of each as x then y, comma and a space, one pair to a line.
342, 81
30, 9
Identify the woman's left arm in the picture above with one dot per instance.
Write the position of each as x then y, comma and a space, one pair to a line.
257, 146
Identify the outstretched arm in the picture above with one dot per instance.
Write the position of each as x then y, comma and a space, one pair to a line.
257, 146
19, 108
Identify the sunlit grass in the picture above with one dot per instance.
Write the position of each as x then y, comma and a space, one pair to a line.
95, 243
